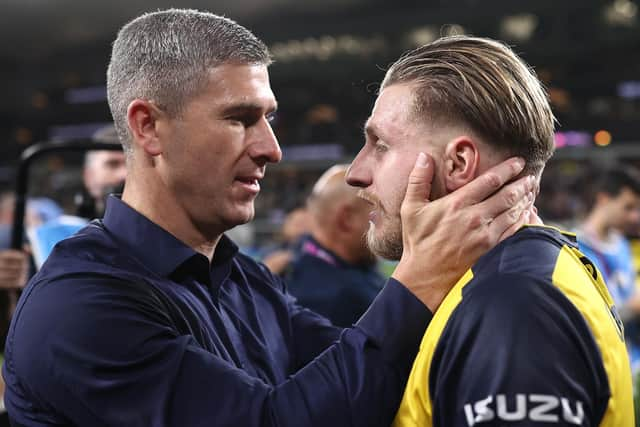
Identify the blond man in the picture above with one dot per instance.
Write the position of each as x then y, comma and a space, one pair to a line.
529, 335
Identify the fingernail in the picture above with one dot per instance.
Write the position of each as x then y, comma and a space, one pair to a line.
421, 161
520, 162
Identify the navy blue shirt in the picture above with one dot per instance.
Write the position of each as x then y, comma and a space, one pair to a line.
327, 284
126, 325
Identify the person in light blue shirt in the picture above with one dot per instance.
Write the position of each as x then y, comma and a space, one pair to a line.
616, 207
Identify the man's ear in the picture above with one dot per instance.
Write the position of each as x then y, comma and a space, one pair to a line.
142, 117
461, 162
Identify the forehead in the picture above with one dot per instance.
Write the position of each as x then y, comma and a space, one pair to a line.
393, 114
240, 84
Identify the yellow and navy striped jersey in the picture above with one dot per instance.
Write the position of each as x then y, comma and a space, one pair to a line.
528, 336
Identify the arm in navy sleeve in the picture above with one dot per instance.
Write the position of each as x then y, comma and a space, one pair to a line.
311, 332
517, 351
113, 360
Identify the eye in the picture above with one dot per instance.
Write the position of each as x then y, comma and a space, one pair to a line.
245, 120
271, 117
380, 146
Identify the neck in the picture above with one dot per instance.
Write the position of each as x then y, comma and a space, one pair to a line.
160, 206
334, 243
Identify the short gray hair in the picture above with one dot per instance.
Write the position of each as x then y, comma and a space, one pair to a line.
165, 57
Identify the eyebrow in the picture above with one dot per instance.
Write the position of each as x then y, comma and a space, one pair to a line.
370, 129
248, 107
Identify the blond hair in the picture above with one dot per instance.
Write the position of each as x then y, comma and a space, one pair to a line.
483, 84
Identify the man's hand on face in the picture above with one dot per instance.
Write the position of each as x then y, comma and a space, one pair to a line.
443, 238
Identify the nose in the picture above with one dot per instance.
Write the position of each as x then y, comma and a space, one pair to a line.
264, 147
358, 174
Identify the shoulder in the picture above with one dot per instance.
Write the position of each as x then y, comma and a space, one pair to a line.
532, 251
90, 245
514, 322
86, 284
305, 265
256, 273
519, 278
516, 304
308, 271
64, 320
518, 301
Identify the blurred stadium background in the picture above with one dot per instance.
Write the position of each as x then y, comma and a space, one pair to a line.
330, 56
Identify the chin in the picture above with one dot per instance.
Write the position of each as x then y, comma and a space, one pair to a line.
246, 216
237, 216
387, 245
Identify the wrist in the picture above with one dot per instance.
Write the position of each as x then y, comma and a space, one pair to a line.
428, 286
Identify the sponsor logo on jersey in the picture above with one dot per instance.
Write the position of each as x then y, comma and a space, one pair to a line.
542, 408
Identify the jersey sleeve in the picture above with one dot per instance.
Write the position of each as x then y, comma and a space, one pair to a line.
517, 352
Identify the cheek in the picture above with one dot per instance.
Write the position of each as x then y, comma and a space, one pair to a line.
397, 186
392, 178
392, 195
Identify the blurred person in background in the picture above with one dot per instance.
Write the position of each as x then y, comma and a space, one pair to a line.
529, 334
152, 317
14, 263
103, 173
334, 273
615, 209
14, 268
45, 224
278, 256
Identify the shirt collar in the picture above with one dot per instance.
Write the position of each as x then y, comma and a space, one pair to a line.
312, 247
565, 237
152, 245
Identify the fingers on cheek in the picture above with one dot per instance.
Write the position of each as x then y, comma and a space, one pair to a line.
514, 214
512, 196
493, 180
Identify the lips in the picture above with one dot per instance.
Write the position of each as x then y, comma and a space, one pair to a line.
247, 180
251, 183
375, 205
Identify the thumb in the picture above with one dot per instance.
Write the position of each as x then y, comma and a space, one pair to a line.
419, 185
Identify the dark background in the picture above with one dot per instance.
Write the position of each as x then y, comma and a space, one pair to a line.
330, 55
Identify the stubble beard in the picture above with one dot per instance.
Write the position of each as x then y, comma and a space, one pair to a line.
389, 244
